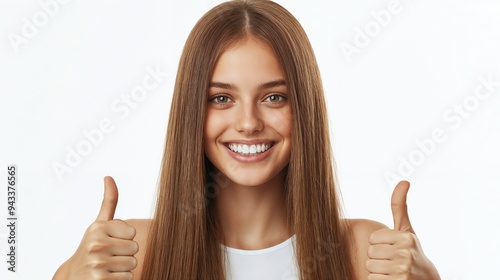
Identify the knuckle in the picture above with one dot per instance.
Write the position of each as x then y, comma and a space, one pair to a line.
97, 264
408, 239
369, 265
406, 255
96, 246
133, 263
98, 274
127, 263
135, 247
129, 231
371, 251
403, 269
126, 230
95, 227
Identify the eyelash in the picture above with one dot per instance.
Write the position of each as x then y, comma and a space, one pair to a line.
277, 95
214, 99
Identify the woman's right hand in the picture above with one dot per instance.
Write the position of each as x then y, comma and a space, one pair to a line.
107, 248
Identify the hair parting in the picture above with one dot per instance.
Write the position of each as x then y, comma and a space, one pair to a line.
184, 240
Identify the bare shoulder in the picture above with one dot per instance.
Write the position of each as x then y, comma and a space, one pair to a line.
140, 224
141, 237
364, 226
361, 231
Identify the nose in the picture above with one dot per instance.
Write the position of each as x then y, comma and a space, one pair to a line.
249, 119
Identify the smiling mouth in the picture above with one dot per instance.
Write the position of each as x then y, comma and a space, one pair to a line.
249, 150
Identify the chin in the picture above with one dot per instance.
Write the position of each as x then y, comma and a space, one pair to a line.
253, 178
249, 181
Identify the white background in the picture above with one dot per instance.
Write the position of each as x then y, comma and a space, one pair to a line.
399, 87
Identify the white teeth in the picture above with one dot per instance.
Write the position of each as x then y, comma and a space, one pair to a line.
249, 150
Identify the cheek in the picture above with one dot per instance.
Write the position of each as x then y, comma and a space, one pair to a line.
214, 124
282, 122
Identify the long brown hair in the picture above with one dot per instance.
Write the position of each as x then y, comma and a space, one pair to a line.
183, 241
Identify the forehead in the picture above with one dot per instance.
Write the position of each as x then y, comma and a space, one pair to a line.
247, 62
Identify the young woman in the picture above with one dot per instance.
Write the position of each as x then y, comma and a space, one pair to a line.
247, 189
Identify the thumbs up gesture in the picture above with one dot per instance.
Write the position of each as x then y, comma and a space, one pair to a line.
397, 254
107, 248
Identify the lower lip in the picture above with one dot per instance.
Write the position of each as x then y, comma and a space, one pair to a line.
250, 158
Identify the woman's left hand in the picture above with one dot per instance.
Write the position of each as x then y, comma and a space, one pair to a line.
397, 254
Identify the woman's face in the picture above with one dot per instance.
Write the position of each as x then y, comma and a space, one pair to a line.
248, 123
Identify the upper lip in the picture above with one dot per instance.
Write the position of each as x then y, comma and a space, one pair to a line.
249, 142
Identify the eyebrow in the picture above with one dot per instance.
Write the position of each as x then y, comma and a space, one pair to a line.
263, 86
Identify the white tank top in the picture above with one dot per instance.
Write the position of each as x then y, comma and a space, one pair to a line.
274, 263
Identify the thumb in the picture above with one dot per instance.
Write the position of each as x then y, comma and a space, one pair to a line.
399, 207
108, 206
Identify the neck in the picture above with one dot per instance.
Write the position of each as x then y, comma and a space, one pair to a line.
252, 217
